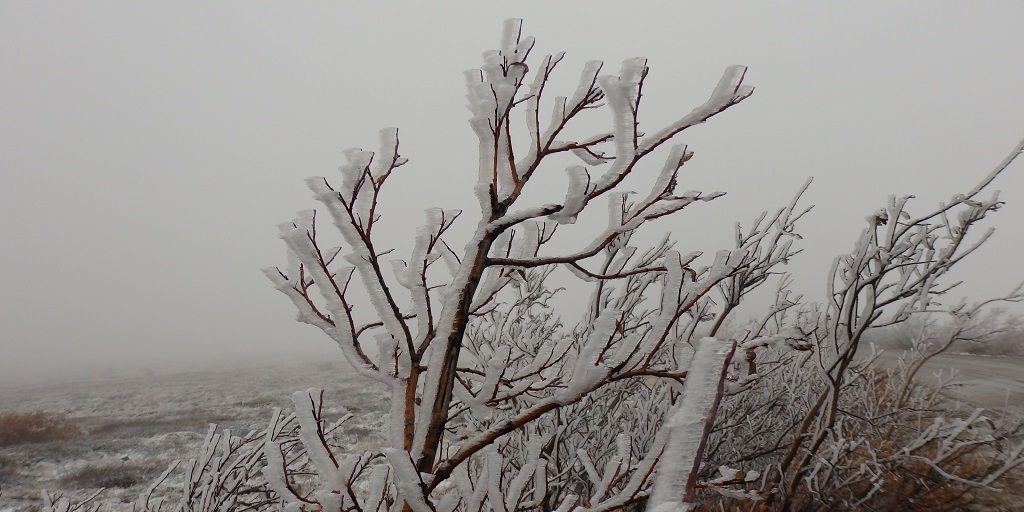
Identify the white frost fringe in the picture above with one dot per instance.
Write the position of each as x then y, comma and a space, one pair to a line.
686, 426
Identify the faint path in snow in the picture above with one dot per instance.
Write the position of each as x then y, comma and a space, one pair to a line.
990, 382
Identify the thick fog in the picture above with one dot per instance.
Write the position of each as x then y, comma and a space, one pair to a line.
147, 151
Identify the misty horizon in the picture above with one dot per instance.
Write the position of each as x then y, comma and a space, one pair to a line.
148, 153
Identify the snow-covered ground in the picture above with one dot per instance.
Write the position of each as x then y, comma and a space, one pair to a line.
133, 427
981, 381
985, 381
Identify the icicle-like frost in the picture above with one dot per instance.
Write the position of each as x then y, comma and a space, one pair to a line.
588, 370
730, 90
306, 403
620, 93
789, 338
493, 460
414, 277
616, 466
355, 173
407, 480
360, 257
686, 426
575, 196
387, 158
514, 492
275, 472
435, 358
387, 347
527, 241
583, 276
665, 182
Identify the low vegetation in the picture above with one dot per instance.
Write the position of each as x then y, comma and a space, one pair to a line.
34, 427
7, 467
109, 476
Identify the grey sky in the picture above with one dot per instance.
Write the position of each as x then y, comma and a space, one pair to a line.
147, 151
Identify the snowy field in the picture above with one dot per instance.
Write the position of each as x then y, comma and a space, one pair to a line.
131, 428
985, 381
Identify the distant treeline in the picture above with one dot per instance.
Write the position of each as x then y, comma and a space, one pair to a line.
1001, 334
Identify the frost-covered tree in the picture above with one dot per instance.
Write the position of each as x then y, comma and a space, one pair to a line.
513, 381
499, 404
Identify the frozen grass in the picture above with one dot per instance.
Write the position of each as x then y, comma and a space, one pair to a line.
196, 420
7, 467
110, 476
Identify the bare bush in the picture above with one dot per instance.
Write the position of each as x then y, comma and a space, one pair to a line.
34, 427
